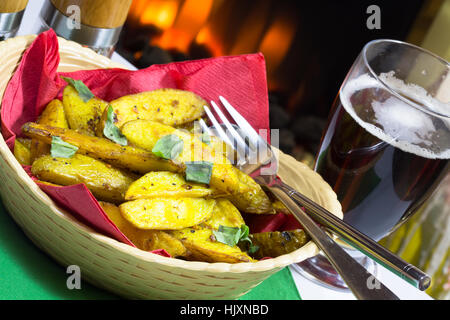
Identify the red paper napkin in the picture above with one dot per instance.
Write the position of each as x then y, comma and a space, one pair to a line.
240, 79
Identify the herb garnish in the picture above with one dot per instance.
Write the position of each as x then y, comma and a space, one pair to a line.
83, 91
199, 171
168, 147
111, 131
60, 148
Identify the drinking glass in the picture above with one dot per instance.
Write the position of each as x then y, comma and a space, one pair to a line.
387, 143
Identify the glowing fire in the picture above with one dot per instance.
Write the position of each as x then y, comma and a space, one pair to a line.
276, 42
191, 17
183, 22
160, 13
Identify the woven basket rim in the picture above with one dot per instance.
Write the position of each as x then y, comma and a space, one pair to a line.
309, 249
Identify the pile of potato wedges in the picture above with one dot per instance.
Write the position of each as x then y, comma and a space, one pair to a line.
159, 180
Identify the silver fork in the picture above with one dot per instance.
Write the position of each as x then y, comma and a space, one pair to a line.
256, 157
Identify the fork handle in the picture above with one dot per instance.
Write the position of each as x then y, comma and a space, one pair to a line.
357, 278
361, 242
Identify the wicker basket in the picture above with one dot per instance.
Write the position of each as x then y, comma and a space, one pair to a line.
117, 267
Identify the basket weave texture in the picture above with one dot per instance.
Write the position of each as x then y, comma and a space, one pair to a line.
117, 267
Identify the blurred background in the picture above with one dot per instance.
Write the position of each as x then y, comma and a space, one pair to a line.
308, 46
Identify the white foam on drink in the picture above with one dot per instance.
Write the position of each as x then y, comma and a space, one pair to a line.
403, 126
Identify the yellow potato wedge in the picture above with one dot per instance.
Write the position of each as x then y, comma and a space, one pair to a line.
278, 206
82, 116
169, 106
277, 243
225, 214
167, 213
144, 134
22, 153
53, 115
254, 199
26, 142
168, 185
200, 242
126, 157
105, 182
147, 240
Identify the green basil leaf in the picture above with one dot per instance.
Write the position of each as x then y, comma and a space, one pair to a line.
244, 232
111, 131
206, 138
83, 91
252, 248
199, 171
227, 235
61, 149
232, 236
168, 147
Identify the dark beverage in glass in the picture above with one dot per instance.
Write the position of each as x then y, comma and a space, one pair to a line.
387, 144
379, 179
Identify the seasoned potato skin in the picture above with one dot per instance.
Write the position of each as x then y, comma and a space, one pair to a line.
126, 157
22, 153
105, 182
167, 213
144, 134
277, 243
168, 185
53, 115
168, 106
225, 214
254, 200
147, 240
82, 116
199, 241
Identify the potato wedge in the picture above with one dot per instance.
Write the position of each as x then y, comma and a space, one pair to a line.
254, 200
105, 182
225, 214
126, 157
22, 153
26, 142
82, 116
274, 244
168, 106
199, 241
53, 115
144, 134
167, 213
147, 240
168, 185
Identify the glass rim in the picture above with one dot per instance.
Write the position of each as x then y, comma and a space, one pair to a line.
392, 90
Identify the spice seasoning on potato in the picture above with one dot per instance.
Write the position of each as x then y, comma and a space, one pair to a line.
53, 115
147, 240
167, 213
22, 153
82, 116
126, 157
168, 106
105, 182
144, 134
254, 199
168, 185
200, 242
277, 243
224, 214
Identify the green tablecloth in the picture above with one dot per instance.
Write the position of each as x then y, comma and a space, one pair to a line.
28, 273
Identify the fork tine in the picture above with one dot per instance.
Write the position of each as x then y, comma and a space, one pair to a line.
241, 145
218, 127
241, 122
204, 127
